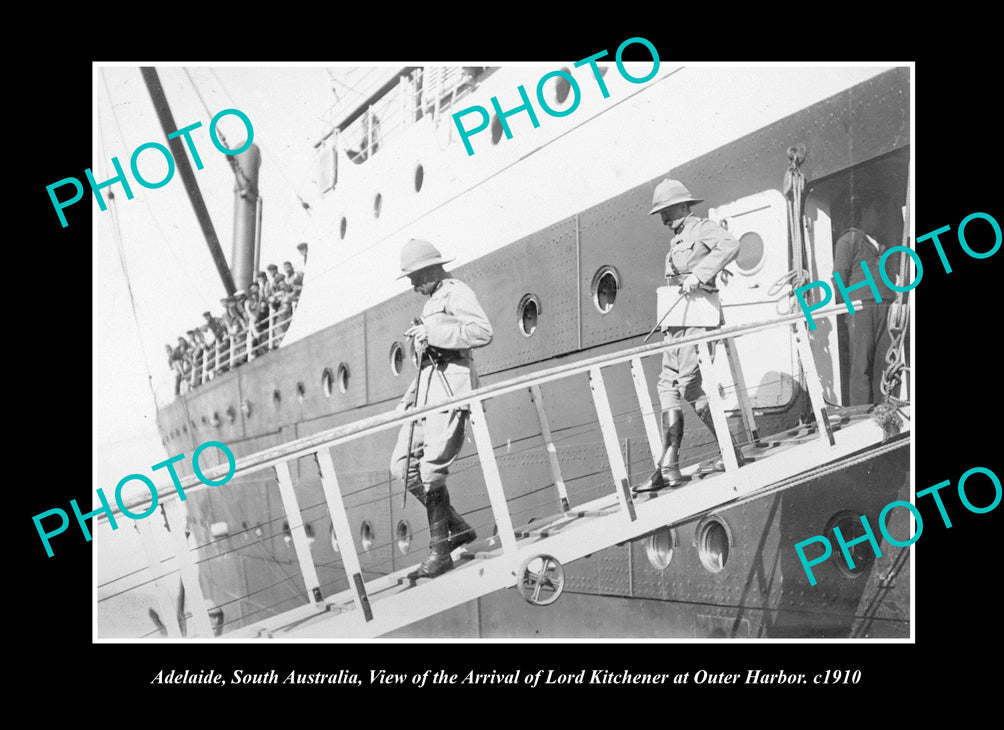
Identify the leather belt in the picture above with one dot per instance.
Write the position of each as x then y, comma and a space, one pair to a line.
438, 355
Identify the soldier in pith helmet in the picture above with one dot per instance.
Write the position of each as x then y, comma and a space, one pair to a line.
452, 324
698, 251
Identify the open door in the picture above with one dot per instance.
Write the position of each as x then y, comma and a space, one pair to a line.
759, 223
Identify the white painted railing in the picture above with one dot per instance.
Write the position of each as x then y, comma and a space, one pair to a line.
319, 446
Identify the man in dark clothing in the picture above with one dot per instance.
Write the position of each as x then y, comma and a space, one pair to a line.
857, 249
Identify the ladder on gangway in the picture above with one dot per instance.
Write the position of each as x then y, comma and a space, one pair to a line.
529, 559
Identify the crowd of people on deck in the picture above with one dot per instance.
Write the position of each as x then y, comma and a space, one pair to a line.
242, 330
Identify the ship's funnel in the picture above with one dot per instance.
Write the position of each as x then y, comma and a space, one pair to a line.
245, 204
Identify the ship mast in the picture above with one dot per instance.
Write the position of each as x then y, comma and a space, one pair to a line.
191, 187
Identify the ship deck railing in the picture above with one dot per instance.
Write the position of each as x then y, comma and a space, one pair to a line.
373, 606
422, 92
224, 355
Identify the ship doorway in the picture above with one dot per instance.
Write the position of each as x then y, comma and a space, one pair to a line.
759, 223
832, 206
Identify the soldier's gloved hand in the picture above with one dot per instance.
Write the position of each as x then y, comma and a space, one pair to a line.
690, 283
418, 332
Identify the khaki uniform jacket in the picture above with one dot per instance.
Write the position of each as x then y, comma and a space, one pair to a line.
454, 321
702, 248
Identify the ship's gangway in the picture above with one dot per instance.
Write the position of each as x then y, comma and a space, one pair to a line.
530, 558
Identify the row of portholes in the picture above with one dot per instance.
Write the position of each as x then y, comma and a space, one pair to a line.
207, 422
605, 285
713, 540
343, 225
367, 537
329, 380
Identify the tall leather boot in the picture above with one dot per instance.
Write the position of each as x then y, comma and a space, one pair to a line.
668, 475
437, 505
704, 413
460, 533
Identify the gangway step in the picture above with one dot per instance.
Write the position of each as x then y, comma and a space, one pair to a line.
488, 565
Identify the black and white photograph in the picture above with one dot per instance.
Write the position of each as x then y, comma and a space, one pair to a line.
479, 352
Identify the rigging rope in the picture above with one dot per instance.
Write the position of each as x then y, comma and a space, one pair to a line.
793, 188
121, 253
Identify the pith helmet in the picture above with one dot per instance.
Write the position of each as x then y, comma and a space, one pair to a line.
670, 192
417, 255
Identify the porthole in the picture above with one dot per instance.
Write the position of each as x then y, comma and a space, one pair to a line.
606, 283
276, 398
403, 533
527, 313
300, 392
419, 177
366, 535
751, 253
496, 129
184, 428
231, 414
327, 378
714, 543
659, 547
850, 529
342, 376
561, 87
377, 201
396, 358
343, 226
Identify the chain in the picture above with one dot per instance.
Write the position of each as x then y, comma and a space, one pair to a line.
897, 322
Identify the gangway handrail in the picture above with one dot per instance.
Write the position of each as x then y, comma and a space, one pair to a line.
339, 434
629, 522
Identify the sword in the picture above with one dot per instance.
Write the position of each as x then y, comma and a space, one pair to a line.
418, 352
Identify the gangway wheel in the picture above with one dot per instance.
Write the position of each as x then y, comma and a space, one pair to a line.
540, 580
